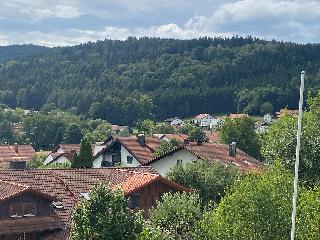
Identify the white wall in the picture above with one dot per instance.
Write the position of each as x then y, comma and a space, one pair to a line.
124, 154
48, 159
163, 165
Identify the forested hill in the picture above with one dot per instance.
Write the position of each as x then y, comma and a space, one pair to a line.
20, 51
122, 81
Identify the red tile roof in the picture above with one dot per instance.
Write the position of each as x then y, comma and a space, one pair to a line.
142, 153
220, 153
178, 137
213, 137
8, 189
216, 153
8, 153
201, 115
30, 224
67, 184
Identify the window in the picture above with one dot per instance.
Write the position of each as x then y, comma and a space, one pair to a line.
179, 162
15, 210
29, 209
115, 159
129, 159
134, 201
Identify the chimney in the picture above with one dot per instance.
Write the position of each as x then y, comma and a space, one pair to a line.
141, 140
186, 141
16, 147
233, 149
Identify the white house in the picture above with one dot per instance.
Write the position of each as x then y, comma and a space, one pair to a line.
267, 118
63, 153
204, 119
169, 136
215, 123
194, 152
129, 151
174, 121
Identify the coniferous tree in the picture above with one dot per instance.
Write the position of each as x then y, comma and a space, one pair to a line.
85, 156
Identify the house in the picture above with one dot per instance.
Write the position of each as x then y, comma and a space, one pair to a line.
118, 128
38, 203
261, 127
15, 153
237, 115
204, 119
129, 151
216, 123
194, 152
174, 121
169, 136
267, 118
63, 153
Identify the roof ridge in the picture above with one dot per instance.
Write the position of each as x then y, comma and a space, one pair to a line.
16, 184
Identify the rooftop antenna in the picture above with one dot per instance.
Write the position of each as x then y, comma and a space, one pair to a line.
296, 167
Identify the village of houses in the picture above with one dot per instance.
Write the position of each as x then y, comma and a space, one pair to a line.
40, 202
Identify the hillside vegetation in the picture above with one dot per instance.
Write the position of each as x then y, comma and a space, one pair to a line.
123, 81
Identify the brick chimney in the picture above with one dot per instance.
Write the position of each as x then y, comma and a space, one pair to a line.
16, 147
233, 149
141, 140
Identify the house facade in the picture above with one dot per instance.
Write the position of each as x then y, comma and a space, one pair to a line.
63, 153
38, 203
204, 119
129, 151
174, 121
267, 118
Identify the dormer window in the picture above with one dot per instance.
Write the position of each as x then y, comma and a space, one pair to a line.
15, 211
29, 209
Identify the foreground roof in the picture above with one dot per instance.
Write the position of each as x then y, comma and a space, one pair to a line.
202, 115
66, 185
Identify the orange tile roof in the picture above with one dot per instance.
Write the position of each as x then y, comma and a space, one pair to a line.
8, 153
67, 184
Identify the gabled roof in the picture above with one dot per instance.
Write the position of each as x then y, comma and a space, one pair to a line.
67, 184
8, 153
202, 115
141, 153
216, 153
9, 190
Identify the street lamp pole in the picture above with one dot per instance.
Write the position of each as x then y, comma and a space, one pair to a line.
296, 167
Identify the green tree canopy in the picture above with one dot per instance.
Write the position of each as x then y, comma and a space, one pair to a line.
72, 134
104, 216
241, 131
176, 215
210, 180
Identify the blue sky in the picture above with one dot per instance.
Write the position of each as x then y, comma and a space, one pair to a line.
70, 22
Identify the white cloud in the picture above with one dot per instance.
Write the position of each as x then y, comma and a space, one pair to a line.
59, 11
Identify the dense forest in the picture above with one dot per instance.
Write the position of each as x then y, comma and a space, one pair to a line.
20, 51
123, 81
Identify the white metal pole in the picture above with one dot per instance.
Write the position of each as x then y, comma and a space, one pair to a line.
296, 167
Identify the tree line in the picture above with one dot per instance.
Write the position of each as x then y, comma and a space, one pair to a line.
125, 81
